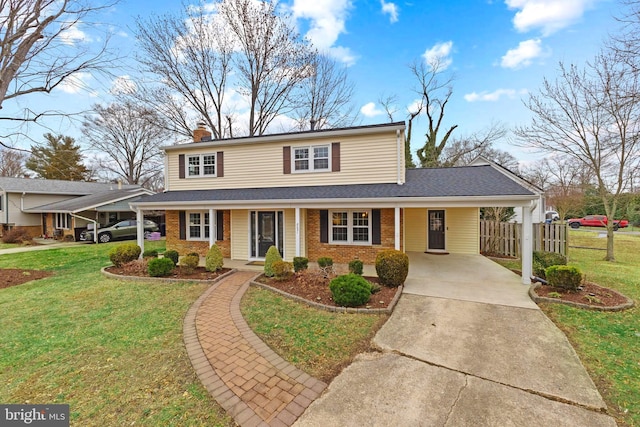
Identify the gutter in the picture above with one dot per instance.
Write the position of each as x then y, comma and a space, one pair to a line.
95, 225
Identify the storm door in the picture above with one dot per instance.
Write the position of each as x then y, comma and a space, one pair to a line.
436, 230
266, 231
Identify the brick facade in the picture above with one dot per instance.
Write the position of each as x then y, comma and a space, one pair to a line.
342, 254
200, 246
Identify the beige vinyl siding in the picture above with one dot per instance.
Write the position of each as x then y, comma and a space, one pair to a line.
240, 234
17, 217
289, 228
463, 230
363, 159
415, 231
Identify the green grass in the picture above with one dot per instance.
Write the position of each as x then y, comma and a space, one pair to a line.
608, 343
9, 245
111, 349
316, 341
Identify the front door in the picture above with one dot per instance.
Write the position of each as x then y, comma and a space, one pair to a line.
436, 230
266, 231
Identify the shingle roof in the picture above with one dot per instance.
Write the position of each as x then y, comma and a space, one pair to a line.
82, 203
54, 186
466, 181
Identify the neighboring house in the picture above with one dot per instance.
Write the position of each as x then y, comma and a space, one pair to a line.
57, 208
342, 193
538, 213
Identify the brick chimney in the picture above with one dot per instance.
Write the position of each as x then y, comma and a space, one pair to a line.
201, 133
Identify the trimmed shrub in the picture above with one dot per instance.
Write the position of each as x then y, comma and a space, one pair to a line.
356, 267
213, 261
564, 276
350, 290
150, 253
16, 235
325, 261
189, 263
282, 270
392, 267
69, 238
160, 267
272, 256
172, 255
194, 254
375, 287
300, 263
543, 260
125, 253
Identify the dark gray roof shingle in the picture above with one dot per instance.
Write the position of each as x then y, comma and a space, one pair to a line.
55, 186
78, 204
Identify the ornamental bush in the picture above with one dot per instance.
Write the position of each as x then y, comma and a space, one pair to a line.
356, 267
16, 235
214, 261
150, 253
543, 260
160, 267
282, 270
325, 261
194, 253
350, 290
300, 263
173, 256
124, 253
392, 267
273, 255
564, 276
189, 263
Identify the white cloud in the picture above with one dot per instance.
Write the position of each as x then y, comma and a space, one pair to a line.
343, 54
370, 110
122, 85
77, 83
547, 15
438, 55
391, 9
522, 55
73, 34
495, 95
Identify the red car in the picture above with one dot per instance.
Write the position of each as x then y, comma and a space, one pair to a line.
596, 221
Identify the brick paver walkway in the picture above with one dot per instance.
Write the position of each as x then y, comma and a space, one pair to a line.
252, 383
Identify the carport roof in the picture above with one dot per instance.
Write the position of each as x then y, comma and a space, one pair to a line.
55, 186
92, 201
482, 181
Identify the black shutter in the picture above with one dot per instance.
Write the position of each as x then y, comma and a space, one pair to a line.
375, 227
324, 226
220, 164
219, 225
181, 166
286, 160
182, 224
335, 157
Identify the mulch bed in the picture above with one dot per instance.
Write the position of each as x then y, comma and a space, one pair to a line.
313, 287
138, 269
588, 294
15, 276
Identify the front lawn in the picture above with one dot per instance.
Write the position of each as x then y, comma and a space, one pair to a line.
111, 349
608, 343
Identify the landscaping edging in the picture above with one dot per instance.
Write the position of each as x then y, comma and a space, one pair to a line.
331, 308
536, 298
162, 279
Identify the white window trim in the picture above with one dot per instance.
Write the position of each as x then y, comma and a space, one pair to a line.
349, 240
201, 157
203, 236
65, 222
311, 163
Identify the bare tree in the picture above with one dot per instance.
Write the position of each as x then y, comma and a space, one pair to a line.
36, 52
271, 59
462, 151
189, 55
12, 163
325, 96
590, 115
389, 105
127, 140
435, 90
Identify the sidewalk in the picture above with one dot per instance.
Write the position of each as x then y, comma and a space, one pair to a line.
251, 382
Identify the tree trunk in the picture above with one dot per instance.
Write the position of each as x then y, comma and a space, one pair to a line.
610, 256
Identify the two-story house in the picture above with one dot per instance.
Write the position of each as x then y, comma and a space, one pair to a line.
343, 193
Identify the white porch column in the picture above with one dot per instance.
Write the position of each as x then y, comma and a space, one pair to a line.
298, 232
213, 227
140, 229
527, 245
396, 235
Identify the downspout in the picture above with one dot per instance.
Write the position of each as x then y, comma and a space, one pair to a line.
95, 226
22, 201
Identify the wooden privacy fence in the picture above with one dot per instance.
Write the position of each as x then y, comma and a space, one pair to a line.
504, 238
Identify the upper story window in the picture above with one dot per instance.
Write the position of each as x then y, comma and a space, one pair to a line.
201, 165
311, 158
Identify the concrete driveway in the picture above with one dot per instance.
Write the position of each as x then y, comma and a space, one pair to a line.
464, 347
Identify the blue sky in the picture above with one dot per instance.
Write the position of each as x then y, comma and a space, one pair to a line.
498, 51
